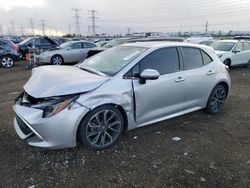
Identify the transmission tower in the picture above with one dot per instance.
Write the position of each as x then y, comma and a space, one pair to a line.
206, 27
77, 20
21, 29
13, 32
1, 31
93, 18
43, 26
31, 21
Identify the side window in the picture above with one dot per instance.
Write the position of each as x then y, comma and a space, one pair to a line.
36, 41
164, 60
44, 41
89, 45
76, 45
134, 72
246, 45
239, 47
206, 58
192, 58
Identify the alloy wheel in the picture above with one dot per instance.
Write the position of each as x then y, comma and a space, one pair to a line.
7, 62
218, 99
103, 128
57, 60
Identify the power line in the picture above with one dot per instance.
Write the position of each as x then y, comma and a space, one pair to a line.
93, 19
43, 26
77, 21
69, 28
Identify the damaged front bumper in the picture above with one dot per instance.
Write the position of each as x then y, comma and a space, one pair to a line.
58, 131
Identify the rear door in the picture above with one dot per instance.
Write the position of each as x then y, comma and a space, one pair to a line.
86, 47
200, 73
164, 96
73, 53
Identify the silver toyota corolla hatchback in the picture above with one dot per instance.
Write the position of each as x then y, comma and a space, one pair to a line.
120, 89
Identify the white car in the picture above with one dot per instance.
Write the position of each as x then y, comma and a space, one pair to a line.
232, 52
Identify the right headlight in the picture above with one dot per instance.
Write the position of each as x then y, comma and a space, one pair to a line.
53, 107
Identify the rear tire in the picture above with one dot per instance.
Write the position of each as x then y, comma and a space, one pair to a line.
57, 60
101, 128
7, 61
216, 99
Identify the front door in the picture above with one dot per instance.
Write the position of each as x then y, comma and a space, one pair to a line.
164, 96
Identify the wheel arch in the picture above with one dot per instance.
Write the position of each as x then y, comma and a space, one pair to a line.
119, 107
56, 55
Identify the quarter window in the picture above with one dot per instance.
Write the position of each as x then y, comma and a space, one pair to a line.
164, 60
192, 58
206, 58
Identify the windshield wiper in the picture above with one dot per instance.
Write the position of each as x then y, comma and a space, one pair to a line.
92, 71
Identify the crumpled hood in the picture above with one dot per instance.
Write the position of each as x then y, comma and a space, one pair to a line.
49, 81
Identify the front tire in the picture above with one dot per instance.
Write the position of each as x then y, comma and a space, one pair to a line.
56, 60
7, 61
216, 99
101, 128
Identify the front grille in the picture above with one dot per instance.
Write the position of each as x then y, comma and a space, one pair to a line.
25, 129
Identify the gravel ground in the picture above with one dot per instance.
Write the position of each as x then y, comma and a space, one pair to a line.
214, 151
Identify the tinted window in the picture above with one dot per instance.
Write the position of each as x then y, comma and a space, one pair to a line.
206, 58
44, 41
164, 60
246, 45
89, 45
192, 58
77, 45
239, 47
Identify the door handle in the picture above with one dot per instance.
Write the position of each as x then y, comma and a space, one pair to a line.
210, 72
180, 79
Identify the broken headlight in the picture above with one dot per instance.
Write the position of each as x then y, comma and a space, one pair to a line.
53, 106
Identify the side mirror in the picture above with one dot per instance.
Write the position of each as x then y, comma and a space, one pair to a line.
236, 51
148, 74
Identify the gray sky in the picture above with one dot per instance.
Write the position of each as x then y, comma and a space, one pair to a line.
115, 16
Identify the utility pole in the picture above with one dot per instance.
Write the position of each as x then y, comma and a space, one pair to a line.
93, 19
128, 31
13, 32
69, 28
89, 30
31, 21
206, 27
1, 31
43, 26
77, 21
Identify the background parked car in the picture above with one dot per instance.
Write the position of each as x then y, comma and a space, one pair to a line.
39, 42
16, 39
8, 53
69, 52
232, 52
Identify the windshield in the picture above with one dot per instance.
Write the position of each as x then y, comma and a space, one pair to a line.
114, 42
223, 46
111, 61
66, 44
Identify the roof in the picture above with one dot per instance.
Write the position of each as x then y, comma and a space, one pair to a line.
162, 44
